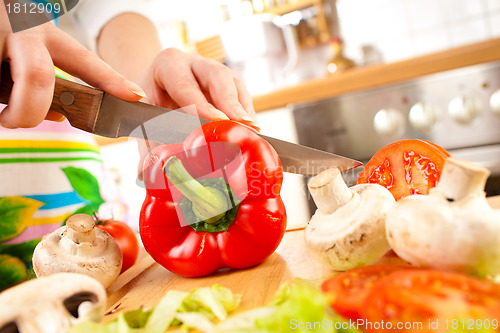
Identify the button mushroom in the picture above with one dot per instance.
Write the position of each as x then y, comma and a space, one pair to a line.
51, 304
348, 228
452, 227
79, 247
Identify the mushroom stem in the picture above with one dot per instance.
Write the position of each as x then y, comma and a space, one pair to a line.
460, 178
80, 229
329, 191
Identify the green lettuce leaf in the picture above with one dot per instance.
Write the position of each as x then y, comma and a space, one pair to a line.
191, 310
298, 306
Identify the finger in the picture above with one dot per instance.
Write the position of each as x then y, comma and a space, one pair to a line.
172, 72
32, 72
72, 57
5, 30
218, 80
245, 98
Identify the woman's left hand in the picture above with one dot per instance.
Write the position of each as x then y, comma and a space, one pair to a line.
178, 79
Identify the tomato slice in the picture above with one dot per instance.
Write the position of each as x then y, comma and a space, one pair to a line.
347, 292
423, 300
406, 167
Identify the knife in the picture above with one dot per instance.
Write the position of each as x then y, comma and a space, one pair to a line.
100, 113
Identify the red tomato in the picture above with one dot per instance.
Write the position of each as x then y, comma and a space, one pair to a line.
406, 167
126, 239
423, 300
347, 292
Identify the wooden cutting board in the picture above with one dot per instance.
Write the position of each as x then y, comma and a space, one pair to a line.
144, 284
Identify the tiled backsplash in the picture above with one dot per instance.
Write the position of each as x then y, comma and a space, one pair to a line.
402, 29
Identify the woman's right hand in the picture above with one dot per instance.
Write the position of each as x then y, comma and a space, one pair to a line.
32, 55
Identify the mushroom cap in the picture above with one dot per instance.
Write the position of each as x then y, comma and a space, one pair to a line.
430, 231
53, 303
101, 260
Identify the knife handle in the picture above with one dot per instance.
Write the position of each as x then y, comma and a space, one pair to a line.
78, 103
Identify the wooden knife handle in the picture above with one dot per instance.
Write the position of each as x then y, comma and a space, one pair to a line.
78, 103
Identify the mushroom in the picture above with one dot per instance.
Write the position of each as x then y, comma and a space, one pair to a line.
79, 247
452, 227
51, 304
348, 228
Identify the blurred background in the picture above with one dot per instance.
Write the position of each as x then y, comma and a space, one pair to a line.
275, 45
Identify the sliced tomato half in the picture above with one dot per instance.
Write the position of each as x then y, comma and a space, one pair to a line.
347, 292
406, 167
422, 300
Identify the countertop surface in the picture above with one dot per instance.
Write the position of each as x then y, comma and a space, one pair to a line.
367, 77
146, 282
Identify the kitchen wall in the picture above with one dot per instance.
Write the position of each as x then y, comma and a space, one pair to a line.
401, 29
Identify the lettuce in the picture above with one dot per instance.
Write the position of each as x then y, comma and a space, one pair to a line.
298, 306
191, 310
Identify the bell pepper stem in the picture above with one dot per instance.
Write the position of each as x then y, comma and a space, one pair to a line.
209, 203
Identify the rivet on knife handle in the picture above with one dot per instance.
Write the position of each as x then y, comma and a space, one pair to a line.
80, 107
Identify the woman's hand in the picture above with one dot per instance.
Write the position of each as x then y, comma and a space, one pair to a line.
178, 79
171, 78
32, 55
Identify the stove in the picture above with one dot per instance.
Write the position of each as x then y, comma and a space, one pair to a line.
457, 109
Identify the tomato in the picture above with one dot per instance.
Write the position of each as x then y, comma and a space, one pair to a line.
347, 292
406, 167
126, 239
424, 300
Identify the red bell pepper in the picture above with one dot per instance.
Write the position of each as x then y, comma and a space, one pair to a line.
214, 201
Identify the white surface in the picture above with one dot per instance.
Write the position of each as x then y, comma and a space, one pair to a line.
122, 159
280, 124
403, 29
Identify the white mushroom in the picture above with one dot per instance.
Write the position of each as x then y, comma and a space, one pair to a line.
453, 227
51, 304
348, 228
79, 247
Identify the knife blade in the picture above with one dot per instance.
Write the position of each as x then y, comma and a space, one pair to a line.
100, 113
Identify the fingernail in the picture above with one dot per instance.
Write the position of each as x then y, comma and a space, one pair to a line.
55, 116
254, 125
134, 87
6, 125
243, 114
219, 114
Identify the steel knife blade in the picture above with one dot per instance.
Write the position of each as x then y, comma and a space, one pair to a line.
100, 113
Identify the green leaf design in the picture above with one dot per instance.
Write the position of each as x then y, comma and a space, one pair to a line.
15, 215
88, 209
85, 184
12, 271
23, 251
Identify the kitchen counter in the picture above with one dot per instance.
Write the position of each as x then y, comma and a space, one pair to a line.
379, 75
146, 282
